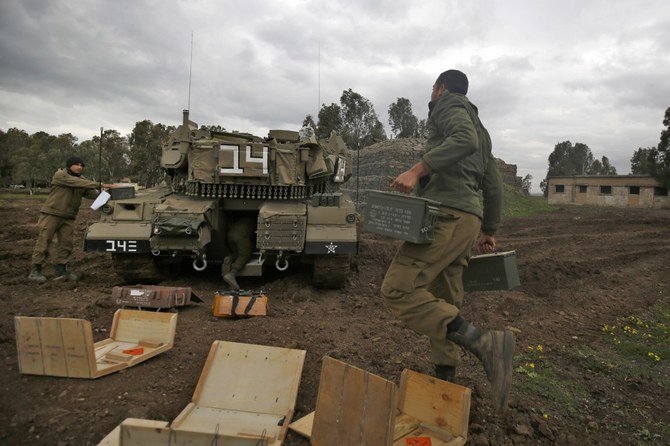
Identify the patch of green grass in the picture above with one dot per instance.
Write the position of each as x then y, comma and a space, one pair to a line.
7, 199
537, 375
518, 204
642, 343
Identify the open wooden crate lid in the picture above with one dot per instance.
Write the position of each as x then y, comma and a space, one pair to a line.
235, 377
353, 407
135, 326
64, 346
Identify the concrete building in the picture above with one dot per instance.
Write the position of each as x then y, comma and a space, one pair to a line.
611, 190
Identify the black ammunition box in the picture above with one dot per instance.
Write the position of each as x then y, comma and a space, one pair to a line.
119, 193
491, 272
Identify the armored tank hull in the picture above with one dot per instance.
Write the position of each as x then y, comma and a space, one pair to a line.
234, 200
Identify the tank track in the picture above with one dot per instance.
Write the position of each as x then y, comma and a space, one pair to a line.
331, 271
139, 268
253, 191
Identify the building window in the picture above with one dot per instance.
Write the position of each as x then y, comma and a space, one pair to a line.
559, 189
582, 188
634, 190
606, 190
660, 192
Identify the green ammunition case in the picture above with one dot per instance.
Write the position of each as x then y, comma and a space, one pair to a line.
120, 193
403, 217
491, 272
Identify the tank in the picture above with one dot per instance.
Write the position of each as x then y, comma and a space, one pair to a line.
285, 188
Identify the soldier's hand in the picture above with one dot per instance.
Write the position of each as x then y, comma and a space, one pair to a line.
406, 181
486, 244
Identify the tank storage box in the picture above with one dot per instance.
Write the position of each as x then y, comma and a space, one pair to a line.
281, 226
240, 304
151, 296
492, 272
123, 192
355, 407
402, 217
64, 347
245, 396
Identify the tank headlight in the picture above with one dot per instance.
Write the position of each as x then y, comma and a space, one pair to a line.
106, 209
157, 230
351, 218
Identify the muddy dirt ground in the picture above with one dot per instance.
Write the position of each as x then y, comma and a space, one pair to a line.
579, 269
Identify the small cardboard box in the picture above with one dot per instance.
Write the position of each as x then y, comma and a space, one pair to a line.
240, 304
64, 347
151, 296
355, 407
491, 272
245, 396
403, 217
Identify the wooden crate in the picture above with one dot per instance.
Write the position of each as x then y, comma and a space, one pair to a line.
355, 407
245, 397
233, 304
64, 346
432, 408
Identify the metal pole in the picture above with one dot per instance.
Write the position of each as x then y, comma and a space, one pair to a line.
100, 160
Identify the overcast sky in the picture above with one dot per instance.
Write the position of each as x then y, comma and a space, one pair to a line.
541, 72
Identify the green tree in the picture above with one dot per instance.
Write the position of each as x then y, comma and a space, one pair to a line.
145, 150
662, 173
402, 120
602, 167
330, 118
526, 184
643, 161
11, 142
360, 124
115, 155
309, 122
567, 159
422, 129
35, 163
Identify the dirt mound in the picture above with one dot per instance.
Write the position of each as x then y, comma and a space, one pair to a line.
580, 269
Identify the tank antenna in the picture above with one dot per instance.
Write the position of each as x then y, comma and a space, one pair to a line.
190, 70
318, 106
100, 160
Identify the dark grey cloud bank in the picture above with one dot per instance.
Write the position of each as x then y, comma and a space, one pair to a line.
541, 72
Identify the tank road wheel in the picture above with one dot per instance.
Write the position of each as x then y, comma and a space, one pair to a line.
331, 271
138, 268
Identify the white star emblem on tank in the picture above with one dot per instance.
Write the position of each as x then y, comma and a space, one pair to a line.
331, 248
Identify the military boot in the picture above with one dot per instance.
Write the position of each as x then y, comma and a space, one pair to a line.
36, 274
495, 349
445, 372
225, 267
62, 273
231, 279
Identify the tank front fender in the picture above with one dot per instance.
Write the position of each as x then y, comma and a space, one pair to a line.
118, 237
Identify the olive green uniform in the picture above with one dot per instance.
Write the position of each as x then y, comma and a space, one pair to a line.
59, 213
240, 241
424, 286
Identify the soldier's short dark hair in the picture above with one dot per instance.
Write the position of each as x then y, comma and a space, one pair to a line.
455, 81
